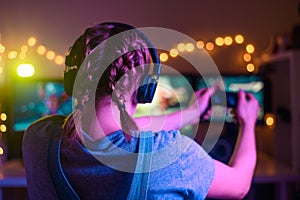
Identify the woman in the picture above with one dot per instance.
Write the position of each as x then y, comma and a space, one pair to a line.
99, 153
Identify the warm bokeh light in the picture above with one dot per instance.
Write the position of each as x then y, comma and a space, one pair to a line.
3, 128
41, 50
219, 41
31, 41
250, 48
24, 48
209, 46
239, 39
59, 60
228, 40
163, 57
25, 70
200, 44
1, 151
1, 70
173, 53
189, 47
250, 67
2, 48
22, 55
50, 55
181, 47
247, 57
12, 54
3, 117
269, 119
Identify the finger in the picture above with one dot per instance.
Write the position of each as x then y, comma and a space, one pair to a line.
242, 96
211, 90
250, 96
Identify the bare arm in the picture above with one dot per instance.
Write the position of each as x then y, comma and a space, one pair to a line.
234, 180
178, 119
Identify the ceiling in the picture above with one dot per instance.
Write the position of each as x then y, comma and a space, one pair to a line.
57, 23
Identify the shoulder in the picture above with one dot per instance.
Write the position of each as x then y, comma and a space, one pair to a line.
184, 147
41, 129
35, 155
46, 122
164, 138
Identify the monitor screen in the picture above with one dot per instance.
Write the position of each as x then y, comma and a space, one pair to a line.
174, 92
233, 83
37, 98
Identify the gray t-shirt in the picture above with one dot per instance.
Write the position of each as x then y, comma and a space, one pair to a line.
103, 169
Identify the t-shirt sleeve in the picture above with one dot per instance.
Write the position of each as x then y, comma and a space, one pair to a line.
198, 169
183, 168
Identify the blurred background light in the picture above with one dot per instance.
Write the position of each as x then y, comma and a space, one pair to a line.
219, 41
25, 70
163, 57
209, 46
250, 48
228, 40
31, 41
239, 39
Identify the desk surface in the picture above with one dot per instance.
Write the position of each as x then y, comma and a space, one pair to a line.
12, 174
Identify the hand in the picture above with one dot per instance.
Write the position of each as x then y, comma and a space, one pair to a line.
202, 101
247, 108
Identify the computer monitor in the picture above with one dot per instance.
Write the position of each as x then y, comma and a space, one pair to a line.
33, 99
174, 92
233, 83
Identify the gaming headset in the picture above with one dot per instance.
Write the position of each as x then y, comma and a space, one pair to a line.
76, 56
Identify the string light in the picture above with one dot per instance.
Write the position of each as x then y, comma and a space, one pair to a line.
12, 54
3, 117
239, 39
247, 57
50, 55
270, 119
1, 151
200, 44
250, 67
228, 40
173, 53
31, 41
209, 46
250, 48
41, 50
219, 41
59, 60
189, 47
3, 128
24, 48
163, 57
2, 48
181, 47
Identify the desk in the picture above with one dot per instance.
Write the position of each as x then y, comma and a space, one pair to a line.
269, 171
12, 175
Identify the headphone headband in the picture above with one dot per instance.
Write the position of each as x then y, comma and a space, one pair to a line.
77, 55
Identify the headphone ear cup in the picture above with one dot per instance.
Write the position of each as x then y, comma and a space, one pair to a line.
147, 90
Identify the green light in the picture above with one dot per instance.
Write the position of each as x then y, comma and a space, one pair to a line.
25, 70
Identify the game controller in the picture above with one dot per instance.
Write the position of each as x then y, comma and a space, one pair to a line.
222, 98
228, 99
